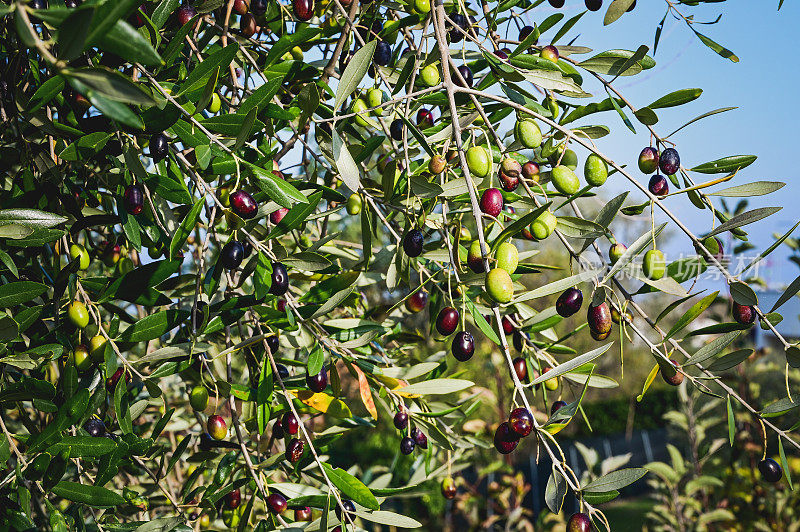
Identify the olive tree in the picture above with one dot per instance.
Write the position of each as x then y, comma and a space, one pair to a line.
213, 214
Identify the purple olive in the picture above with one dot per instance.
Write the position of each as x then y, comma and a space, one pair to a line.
505, 439
599, 318
670, 161
569, 302
447, 321
463, 346
658, 186
521, 421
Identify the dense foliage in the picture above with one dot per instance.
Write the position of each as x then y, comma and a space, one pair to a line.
231, 233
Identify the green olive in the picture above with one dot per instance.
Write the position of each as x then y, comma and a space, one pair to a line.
78, 251
567, 158
78, 314
544, 225
198, 398
430, 75
565, 180
499, 285
354, 204
359, 107
97, 347
297, 53
507, 257
552, 105
595, 170
215, 104
478, 161
81, 358
422, 6
528, 134
654, 264
376, 97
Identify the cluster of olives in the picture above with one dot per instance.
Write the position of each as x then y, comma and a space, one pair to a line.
668, 161
416, 438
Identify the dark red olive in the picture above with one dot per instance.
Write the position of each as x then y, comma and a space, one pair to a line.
770, 470
466, 73
658, 186
648, 160
463, 346
417, 301
280, 279
258, 7
303, 9
290, 424
277, 430
530, 170
600, 336
521, 369
318, 383
240, 7
579, 523
400, 420
111, 382
509, 182
281, 305
276, 503
492, 202
569, 302
134, 199
243, 204
556, 406
500, 54
676, 379
302, 513
744, 314
505, 439
670, 161
508, 325
407, 445
424, 118
232, 255
294, 450
419, 438
233, 499
599, 317
521, 421
159, 146
413, 242
447, 321
247, 25
185, 14
276, 216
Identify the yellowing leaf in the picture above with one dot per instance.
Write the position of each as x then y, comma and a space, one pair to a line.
366, 394
324, 403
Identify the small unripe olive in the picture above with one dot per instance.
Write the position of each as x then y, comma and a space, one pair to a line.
616, 251
198, 398
360, 107
544, 225
527, 133
654, 265
478, 161
550, 53
77, 251
430, 75
499, 285
595, 170
78, 314
215, 104
354, 204
376, 97
507, 257
81, 358
565, 180
97, 347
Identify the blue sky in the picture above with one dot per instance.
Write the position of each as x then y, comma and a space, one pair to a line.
761, 84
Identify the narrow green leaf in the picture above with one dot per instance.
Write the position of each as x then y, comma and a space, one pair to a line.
354, 73
691, 314
351, 486
185, 229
